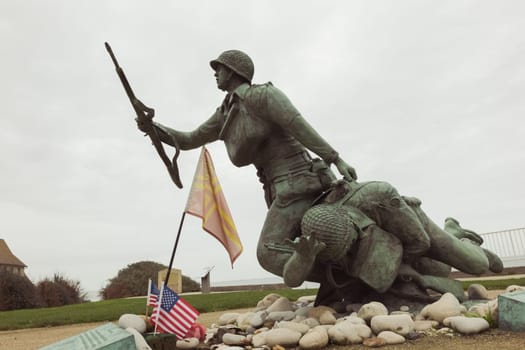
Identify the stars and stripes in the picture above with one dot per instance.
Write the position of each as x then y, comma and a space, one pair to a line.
175, 315
153, 294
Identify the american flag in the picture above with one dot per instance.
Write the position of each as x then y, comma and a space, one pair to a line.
153, 294
175, 315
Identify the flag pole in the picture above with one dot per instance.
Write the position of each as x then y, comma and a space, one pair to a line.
174, 249
147, 298
159, 305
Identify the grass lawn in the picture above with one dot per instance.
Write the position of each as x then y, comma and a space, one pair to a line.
496, 283
111, 310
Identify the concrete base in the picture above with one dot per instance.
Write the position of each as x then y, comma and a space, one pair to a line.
105, 337
511, 311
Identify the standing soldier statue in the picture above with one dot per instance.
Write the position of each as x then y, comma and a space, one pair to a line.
355, 239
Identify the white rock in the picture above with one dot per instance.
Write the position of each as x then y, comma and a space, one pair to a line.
268, 300
140, 342
345, 333
445, 330
228, 318
299, 327
311, 322
283, 337
280, 316
399, 312
374, 308
325, 326
477, 291
258, 319
132, 321
303, 311
391, 337
188, 343
404, 308
481, 309
259, 339
234, 339
243, 321
352, 318
281, 304
307, 299
317, 311
493, 308
466, 325
423, 325
316, 338
299, 319
400, 324
445, 307
327, 317
514, 288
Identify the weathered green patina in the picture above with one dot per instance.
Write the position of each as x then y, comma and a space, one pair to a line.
105, 337
359, 239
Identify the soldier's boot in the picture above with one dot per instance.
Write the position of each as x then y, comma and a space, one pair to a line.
495, 263
453, 227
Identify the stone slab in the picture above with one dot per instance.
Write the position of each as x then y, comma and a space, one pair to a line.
511, 311
175, 281
105, 337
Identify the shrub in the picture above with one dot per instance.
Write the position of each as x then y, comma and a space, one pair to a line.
115, 289
60, 291
17, 292
133, 281
189, 285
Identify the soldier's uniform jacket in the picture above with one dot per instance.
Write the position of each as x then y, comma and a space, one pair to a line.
260, 126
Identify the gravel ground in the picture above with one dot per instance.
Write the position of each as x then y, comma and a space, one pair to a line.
34, 338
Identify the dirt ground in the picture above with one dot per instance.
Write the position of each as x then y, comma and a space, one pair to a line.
27, 339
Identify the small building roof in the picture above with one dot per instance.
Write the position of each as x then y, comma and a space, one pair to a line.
7, 257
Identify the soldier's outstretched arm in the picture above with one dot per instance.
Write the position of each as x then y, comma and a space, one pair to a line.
205, 133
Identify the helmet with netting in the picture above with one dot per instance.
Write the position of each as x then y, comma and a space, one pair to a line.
237, 61
333, 225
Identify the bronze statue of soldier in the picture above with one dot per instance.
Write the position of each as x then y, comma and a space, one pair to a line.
261, 127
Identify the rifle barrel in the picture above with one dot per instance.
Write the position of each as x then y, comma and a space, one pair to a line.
122, 76
110, 51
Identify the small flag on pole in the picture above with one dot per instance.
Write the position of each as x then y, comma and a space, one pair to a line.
207, 201
174, 315
153, 294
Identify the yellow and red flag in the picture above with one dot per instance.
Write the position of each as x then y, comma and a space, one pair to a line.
207, 201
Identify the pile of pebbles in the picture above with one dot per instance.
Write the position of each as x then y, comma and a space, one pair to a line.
277, 323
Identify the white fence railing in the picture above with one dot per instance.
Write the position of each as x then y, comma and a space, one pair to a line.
509, 245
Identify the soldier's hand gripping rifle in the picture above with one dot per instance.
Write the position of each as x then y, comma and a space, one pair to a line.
145, 116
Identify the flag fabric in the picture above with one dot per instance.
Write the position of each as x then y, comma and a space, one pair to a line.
207, 201
174, 315
153, 294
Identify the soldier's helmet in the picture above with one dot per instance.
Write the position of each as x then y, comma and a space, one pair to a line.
237, 61
332, 224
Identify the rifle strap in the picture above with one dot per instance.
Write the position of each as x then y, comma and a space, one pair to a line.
171, 165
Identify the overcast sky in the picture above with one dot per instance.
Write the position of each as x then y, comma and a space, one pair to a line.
427, 95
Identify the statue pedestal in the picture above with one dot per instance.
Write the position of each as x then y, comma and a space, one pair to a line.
511, 311
105, 337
